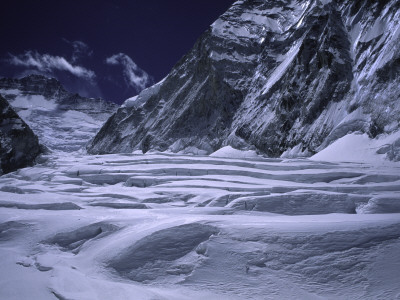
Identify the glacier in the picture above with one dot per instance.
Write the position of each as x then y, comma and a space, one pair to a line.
264, 166
228, 226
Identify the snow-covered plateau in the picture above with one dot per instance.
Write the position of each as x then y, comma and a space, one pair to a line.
170, 226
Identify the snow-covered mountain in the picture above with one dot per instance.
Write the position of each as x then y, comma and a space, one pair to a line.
62, 120
283, 77
19, 146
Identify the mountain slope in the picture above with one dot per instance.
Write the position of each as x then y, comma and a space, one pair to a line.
284, 77
62, 121
19, 146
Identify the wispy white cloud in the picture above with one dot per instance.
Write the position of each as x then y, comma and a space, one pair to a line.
49, 63
133, 75
79, 49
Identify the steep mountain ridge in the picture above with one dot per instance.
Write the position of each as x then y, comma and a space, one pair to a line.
284, 77
63, 121
19, 146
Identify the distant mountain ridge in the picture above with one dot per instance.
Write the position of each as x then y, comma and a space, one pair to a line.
52, 89
62, 120
36, 85
286, 78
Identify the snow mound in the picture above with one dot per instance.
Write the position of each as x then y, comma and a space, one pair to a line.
312, 203
153, 255
382, 205
45, 206
357, 147
119, 205
74, 240
230, 152
10, 229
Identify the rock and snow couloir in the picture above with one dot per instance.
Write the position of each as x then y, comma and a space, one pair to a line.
281, 77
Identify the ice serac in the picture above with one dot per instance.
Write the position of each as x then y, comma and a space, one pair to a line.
281, 77
63, 121
19, 146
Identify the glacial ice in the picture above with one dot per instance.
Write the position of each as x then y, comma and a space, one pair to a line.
171, 226
147, 257
73, 240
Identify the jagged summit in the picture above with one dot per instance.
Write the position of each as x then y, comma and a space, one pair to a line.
50, 89
35, 84
62, 120
283, 77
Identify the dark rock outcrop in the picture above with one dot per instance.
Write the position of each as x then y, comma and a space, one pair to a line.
284, 77
19, 146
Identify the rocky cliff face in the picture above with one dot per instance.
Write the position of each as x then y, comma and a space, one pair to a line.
62, 120
284, 77
19, 146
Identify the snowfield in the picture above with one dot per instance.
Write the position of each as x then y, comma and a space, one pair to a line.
169, 226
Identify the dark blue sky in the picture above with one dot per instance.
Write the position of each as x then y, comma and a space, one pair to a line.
101, 48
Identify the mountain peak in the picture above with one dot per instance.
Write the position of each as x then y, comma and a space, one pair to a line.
62, 120
35, 84
272, 76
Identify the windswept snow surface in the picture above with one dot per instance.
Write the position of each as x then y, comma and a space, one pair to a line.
164, 226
